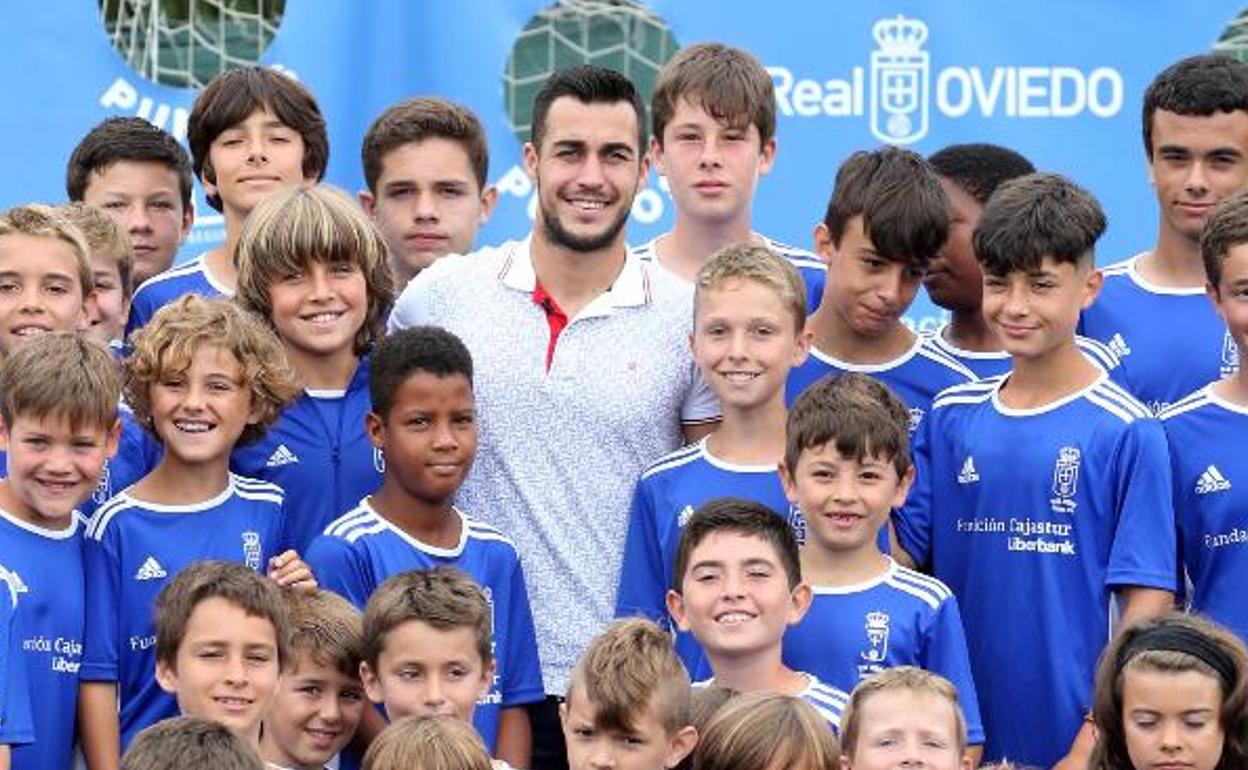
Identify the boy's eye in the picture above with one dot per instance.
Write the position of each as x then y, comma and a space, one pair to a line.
312, 690
457, 672
353, 694
343, 268
581, 731
260, 658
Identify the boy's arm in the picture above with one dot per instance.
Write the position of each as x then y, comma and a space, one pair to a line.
99, 725
515, 737
643, 573
700, 413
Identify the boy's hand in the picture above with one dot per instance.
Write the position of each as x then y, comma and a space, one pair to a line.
289, 571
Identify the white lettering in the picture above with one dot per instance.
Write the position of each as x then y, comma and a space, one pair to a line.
122, 95
807, 98
956, 76
782, 83
1060, 108
515, 182
1031, 92
1097, 104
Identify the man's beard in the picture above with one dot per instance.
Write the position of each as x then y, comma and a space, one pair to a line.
559, 236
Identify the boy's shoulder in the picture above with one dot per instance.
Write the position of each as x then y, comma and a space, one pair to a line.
361, 524
1112, 399
967, 393
673, 461
174, 279
1098, 352
930, 350
1121, 270
927, 589
801, 258
240, 491
1186, 408
830, 701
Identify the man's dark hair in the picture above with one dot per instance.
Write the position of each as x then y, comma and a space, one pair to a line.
399, 355
132, 139
904, 211
740, 517
1198, 86
979, 169
232, 96
1033, 217
588, 84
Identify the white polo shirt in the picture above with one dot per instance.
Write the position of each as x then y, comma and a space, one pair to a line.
560, 450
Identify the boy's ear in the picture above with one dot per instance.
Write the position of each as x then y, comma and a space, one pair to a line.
680, 746
487, 677
903, 487
823, 242
90, 307
367, 201
787, 481
113, 438
1215, 296
489, 197
656, 155
375, 428
1092, 283
767, 156
372, 685
676, 608
4, 436
800, 599
802, 349
166, 677
188, 219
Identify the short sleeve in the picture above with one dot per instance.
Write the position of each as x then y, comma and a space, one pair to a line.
945, 653
102, 569
701, 404
1145, 547
913, 521
522, 679
643, 573
16, 725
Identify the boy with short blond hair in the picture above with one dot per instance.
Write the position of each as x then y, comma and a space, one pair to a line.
425, 166
222, 640
749, 315
905, 714
846, 466
1052, 483
885, 221
319, 700
46, 267
58, 424
737, 588
714, 122
112, 258
252, 131
189, 743
629, 684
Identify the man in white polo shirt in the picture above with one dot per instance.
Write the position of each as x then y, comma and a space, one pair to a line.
583, 371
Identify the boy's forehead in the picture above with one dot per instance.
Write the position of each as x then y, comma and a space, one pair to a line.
431, 156
418, 640
37, 253
124, 175
728, 546
219, 618
696, 107
56, 423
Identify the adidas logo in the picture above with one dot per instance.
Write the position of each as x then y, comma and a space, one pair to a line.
281, 456
1119, 346
968, 475
1212, 480
151, 570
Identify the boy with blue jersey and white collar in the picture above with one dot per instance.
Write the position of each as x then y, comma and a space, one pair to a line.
1050, 485
1206, 431
887, 218
737, 587
846, 466
204, 375
1152, 310
424, 423
749, 314
714, 135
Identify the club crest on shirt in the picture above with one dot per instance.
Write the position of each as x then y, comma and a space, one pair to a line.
251, 549
103, 490
1065, 480
379, 460
1230, 356
798, 522
876, 653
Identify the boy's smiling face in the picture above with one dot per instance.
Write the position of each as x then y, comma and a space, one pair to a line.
314, 714
425, 671
40, 289
52, 466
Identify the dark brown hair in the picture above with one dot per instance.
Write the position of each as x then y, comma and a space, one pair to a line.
729, 83
743, 517
857, 414
415, 120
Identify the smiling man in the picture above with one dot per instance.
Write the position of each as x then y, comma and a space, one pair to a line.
584, 374
1152, 311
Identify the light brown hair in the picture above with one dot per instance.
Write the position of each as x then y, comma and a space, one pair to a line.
40, 221
1225, 229
761, 265
758, 731
427, 743
325, 629
241, 586
61, 374
729, 83
182, 328
900, 678
291, 229
105, 239
189, 743
629, 668
415, 120
442, 597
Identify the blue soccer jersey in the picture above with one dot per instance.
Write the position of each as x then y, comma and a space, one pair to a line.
1171, 340
161, 289
984, 364
666, 496
812, 269
900, 618
916, 376
319, 453
1210, 468
1033, 517
44, 571
15, 721
361, 549
133, 549
138, 452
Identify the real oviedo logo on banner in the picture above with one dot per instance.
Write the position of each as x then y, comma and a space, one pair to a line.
904, 89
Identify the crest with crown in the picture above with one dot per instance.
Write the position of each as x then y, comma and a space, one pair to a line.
877, 622
900, 35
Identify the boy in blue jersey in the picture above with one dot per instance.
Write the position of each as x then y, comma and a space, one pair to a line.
1205, 431
1049, 486
1152, 310
252, 132
430, 647
58, 423
313, 266
15, 722
204, 375
629, 704
222, 641
423, 422
737, 587
749, 314
714, 119
846, 466
885, 221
